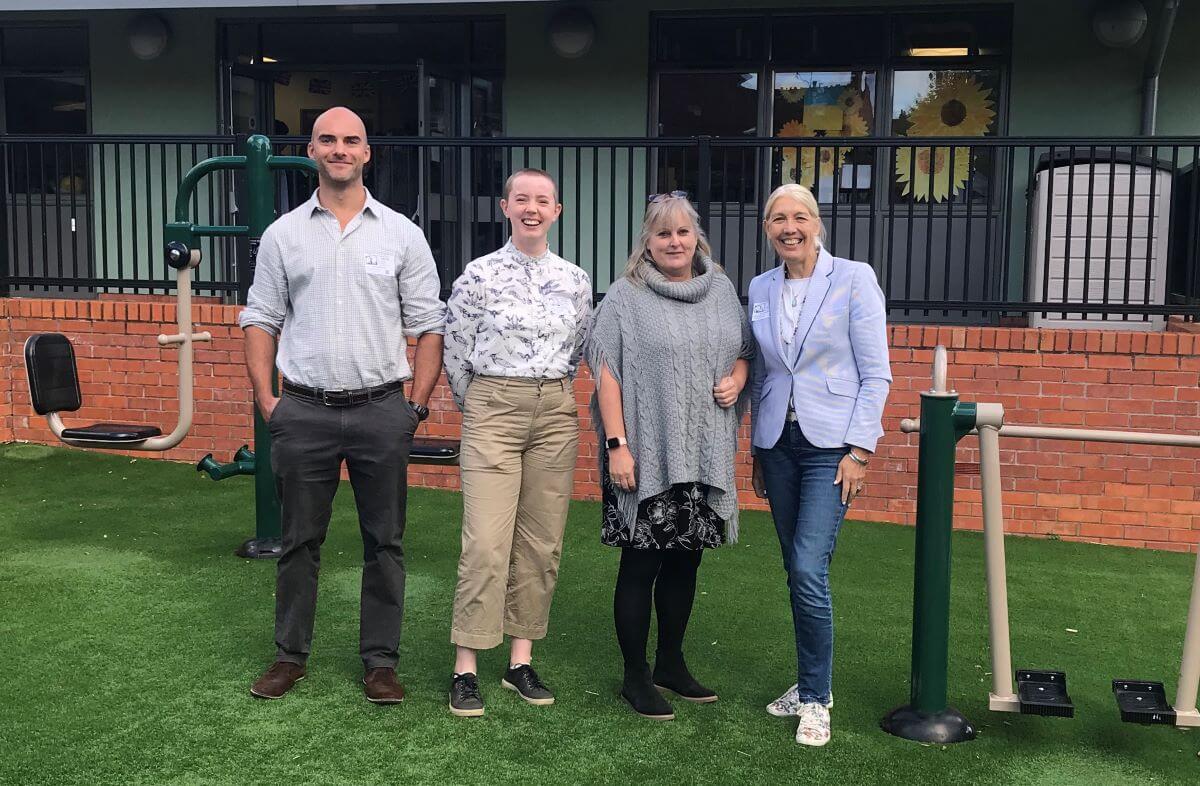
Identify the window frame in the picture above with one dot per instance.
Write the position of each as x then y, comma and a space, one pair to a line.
83, 71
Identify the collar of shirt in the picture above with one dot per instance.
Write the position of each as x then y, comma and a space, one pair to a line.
313, 205
517, 255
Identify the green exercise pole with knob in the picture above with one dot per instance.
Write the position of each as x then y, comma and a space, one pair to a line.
927, 717
258, 167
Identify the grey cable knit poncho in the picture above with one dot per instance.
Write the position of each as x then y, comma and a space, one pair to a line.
667, 344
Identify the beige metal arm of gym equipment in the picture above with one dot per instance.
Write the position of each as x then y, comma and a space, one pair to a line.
991, 425
184, 339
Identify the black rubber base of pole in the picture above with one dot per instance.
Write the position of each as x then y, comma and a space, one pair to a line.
265, 548
942, 727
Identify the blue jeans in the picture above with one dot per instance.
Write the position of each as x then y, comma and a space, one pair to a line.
808, 512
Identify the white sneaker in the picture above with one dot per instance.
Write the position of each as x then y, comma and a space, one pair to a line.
813, 728
788, 704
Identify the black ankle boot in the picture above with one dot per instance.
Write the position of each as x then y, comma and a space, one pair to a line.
639, 691
671, 673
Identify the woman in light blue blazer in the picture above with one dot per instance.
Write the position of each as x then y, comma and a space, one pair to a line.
817, 389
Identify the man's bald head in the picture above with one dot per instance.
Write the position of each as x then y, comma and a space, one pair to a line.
340, 121
339, 146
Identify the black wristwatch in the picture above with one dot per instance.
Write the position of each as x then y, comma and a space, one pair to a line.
615, 442
421, 410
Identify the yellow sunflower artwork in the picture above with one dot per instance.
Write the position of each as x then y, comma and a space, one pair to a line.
801, 164
957, 105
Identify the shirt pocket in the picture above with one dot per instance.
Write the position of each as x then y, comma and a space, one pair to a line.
842, 387
374, 272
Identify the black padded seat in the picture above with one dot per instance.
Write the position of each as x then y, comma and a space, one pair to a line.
432, 450
53, 383
112, 432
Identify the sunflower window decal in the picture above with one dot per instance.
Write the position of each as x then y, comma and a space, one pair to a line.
956, 105
817, 111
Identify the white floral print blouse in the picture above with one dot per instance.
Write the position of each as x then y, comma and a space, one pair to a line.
512, 315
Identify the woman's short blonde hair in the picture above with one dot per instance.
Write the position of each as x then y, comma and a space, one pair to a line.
659, 214
802, 195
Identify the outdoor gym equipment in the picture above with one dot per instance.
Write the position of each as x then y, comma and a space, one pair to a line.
54, 378
1038, 692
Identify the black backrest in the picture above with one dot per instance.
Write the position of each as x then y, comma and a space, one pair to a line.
53, 381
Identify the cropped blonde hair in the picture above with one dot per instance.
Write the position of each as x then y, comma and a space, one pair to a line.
659, 214
802, 195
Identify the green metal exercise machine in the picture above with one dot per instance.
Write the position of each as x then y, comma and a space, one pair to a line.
258, 207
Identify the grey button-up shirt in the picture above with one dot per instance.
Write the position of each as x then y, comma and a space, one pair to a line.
342, 301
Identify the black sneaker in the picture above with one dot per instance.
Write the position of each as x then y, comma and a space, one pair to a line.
524, 680
465, 701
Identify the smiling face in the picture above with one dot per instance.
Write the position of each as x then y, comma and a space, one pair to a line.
793, 230
339, 146
532, 208
672, 245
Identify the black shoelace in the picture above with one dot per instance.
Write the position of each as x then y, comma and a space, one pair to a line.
530, 681
466, 686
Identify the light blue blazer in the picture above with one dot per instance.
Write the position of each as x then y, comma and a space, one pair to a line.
841, 377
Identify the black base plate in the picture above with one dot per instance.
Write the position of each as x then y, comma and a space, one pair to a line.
266, 548
1143, 702
1044, 693
942, 727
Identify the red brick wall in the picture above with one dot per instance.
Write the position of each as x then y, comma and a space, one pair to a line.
1127, 495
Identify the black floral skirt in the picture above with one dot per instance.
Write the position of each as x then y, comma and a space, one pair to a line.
678, 518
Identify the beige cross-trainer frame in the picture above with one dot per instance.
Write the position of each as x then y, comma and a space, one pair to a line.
991, 425
184, 339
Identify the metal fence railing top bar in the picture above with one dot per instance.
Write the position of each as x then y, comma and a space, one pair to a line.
1054, 231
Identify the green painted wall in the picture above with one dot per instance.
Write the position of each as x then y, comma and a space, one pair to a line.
173, 94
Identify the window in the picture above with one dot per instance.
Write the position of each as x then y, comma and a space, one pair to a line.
809, 106
43, 90
940, 75
944, 102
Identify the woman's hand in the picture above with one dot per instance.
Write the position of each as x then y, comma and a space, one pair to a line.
850, 474
622, 469
726, 391
756, 480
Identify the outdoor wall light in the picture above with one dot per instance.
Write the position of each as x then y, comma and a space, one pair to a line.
148, 36
1119, 23
572, 31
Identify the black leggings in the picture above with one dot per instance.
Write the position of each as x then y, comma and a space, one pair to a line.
670, 574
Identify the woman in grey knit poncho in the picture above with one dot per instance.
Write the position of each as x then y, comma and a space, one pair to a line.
669, 348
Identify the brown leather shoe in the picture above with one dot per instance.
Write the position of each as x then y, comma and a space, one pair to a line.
381, 686
277, 680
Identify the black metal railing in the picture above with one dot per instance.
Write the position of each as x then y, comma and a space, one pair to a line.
966, 230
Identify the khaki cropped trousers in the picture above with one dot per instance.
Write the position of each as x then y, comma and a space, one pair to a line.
520, 440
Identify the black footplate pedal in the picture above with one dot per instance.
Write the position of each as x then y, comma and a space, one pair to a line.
1143, 702
1044, 693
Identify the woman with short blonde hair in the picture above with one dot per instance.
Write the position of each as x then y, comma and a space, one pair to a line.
817, 391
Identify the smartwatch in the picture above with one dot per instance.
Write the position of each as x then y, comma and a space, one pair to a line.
421, 410
615, 442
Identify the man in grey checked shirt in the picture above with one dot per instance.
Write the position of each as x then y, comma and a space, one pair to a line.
340, 282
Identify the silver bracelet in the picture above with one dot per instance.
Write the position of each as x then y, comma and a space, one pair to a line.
862, 462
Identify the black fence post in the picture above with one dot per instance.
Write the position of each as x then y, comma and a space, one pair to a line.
704, 180
5, 266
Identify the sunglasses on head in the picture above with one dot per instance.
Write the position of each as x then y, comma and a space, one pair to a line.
652, 198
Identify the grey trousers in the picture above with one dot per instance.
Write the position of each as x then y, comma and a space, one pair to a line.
309, 443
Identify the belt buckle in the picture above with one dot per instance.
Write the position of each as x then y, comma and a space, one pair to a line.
325, 397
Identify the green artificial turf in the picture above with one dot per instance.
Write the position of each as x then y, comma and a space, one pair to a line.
129, 635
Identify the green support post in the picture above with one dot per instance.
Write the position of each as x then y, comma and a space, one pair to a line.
258, 201
928, 717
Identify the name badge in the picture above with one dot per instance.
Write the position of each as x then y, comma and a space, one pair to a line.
759, 311
379, 265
